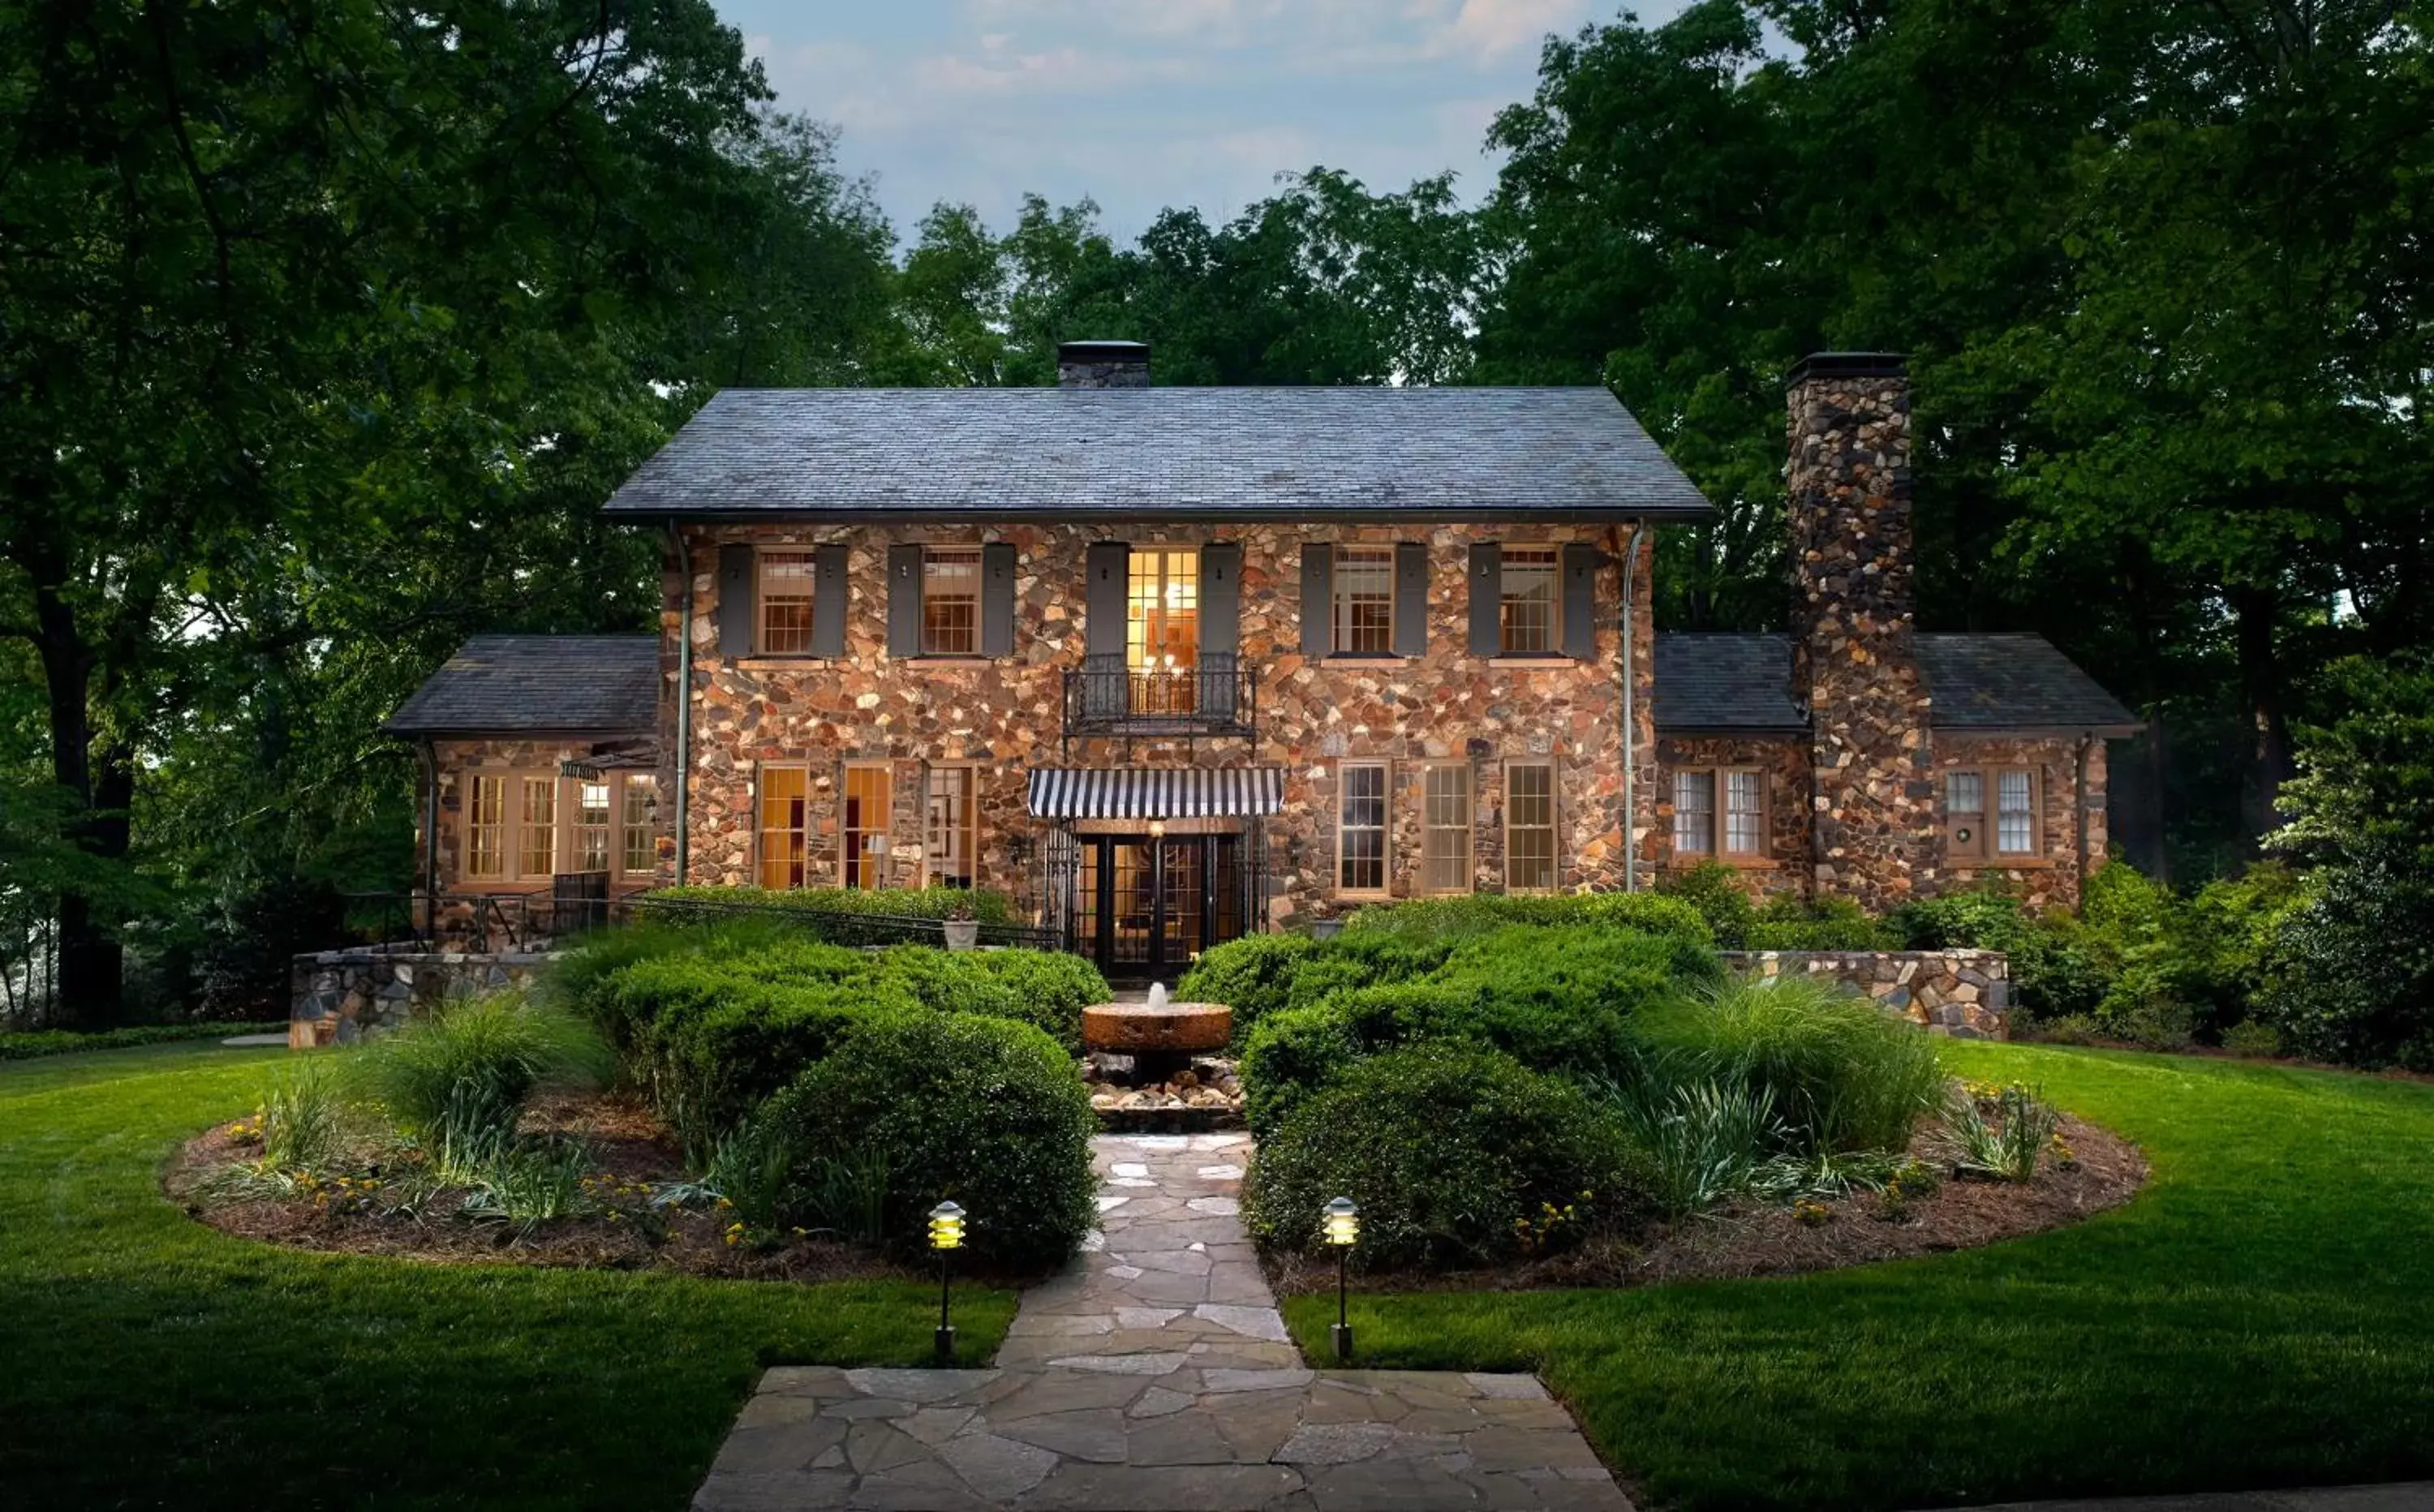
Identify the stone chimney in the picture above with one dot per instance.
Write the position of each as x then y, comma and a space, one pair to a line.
1102, 365
1853, 603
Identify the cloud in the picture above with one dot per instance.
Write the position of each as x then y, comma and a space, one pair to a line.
1491, 28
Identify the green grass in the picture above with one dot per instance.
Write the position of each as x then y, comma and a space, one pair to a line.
2261, 1315
154, 1362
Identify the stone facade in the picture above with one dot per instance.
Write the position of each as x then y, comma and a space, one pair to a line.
1965, 993
1853, 666
460, 760
2071, 835
341, 997
1784, 761
1004, 716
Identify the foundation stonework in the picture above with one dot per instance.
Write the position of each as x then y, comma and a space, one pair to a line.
1003, 716
1965, 993
341, 997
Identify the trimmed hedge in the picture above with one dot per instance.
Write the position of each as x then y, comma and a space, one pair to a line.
928, 1107
1451, 1150
27, 1044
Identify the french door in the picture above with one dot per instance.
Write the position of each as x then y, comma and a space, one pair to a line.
1144, 907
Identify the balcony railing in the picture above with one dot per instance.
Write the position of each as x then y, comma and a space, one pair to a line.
1108, 696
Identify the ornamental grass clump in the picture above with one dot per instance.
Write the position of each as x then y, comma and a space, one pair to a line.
1840, 1073
302, 1120
2000, 1131
1699, 1143
457, 1083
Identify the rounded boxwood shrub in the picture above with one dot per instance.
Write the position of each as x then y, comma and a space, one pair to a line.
1049, 987
931, 1106
1448, 1148
1291, 1055
1253, 976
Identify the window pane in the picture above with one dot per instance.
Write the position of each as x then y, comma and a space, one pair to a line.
867, 794
642, 845
1363, 867
953, 825
592, 825
1527, 614
1965, 793
2015, 816
1530, 828
486, 829
1694, 813
1445, 826
537, 850
1745, 813
783, 791
1162, 610
785, 603
951, 602
1364, 599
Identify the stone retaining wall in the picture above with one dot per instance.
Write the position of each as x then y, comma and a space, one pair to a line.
1965, 993
342, 995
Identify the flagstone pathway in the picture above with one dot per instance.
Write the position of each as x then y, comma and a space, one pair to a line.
1154, 1376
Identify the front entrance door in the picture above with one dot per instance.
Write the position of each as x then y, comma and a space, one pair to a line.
1144, 907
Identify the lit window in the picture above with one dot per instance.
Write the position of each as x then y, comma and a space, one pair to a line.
641, 841
1527, 613
1446, 829
1694, 813
1362, 830
867, 794
485, 829
536, 827
1365, 599
951, 602
785, 603
953, 827
1530, 828
592, 825
785, 792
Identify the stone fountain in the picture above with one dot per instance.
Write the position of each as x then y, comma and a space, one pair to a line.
1161, 1037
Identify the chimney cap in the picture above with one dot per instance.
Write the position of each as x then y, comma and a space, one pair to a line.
1848, 365
1102, 351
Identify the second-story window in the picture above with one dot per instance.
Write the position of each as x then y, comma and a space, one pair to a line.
1365, 599
951, 600
785, 593
1162, 609
1526, 607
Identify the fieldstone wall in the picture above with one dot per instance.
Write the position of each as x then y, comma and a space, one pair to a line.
344, 996
1965, 993
1784, 761
1005, 715
1849, 508
2071, 816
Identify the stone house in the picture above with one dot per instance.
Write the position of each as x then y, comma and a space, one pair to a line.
1172, 663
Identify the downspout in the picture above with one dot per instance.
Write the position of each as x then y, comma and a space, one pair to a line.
2079, 808
684, 709
1630, 720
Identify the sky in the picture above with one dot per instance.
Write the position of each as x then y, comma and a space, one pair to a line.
1142, 104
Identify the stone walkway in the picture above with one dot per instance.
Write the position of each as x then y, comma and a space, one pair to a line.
1154, 1376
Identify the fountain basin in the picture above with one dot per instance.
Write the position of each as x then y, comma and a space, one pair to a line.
1157, 1029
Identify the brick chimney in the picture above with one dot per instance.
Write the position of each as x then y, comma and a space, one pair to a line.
1102, 365
1849, 509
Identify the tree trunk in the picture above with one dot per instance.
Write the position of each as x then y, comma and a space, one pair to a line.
91, 981
2254, 611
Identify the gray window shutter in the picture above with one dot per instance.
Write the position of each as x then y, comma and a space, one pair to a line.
735, 604
1486, 599
1580, 599
996, 599
1110, 567
1410, 599
1221, 598
829, 597
904, 600
1317, 600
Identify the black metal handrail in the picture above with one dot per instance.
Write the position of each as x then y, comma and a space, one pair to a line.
1110, 696
840, 927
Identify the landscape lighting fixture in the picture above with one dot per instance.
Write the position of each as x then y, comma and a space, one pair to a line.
1343, 1233
946, 1236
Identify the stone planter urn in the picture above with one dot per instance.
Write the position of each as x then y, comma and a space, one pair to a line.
961, 934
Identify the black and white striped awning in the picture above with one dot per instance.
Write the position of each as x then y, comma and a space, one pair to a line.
1133, 792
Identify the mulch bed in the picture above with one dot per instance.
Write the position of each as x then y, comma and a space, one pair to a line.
1762, 1239
628, 1148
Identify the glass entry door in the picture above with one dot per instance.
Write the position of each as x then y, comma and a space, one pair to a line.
1143, 908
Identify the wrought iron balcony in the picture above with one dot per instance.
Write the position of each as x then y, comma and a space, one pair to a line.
1108, 696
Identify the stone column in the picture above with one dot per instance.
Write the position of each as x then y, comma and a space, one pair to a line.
1853, 603
1102, 364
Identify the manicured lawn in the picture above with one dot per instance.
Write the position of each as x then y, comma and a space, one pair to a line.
152, 1362
2262, 1315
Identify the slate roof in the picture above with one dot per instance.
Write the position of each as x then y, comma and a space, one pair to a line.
1730, 681
505, 684
1247, 454
1714, 680
1995, 682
